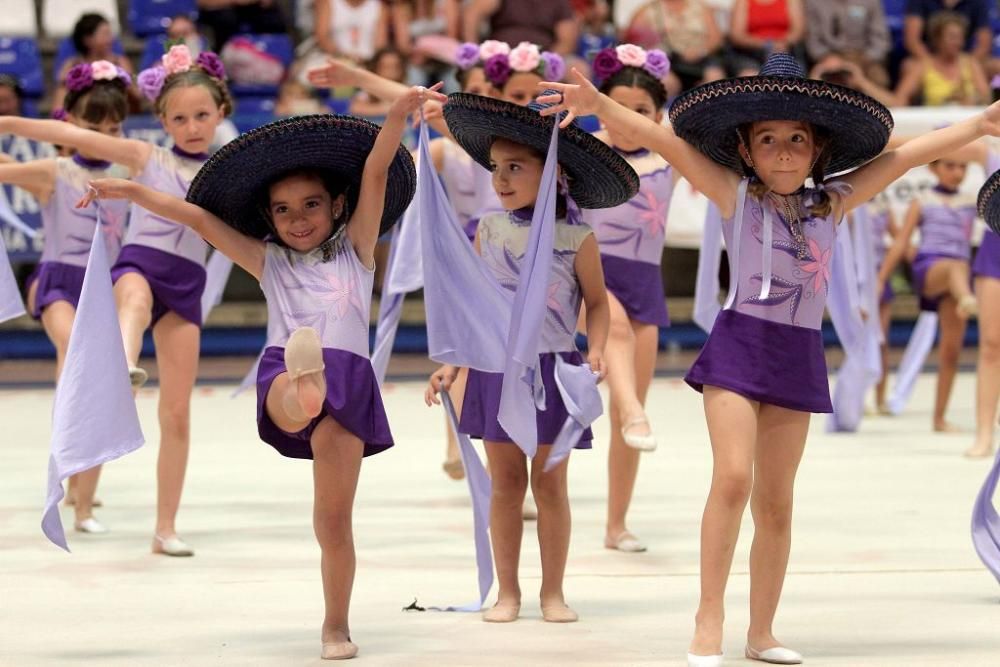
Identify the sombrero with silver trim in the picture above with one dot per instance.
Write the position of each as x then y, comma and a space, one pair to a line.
989, 202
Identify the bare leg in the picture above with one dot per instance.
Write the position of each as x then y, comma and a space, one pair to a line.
732, 427
988, 371
509, 472
177, 342
337, 463
623, 461
620, 357
781, 439
554, 525
949, 348
885, 315
135, 312
453, 460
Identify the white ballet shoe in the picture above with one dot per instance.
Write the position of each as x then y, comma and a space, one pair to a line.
529, 511
626, 542
303, 353
968, 306
91, 526
644, 443
338, 650
137, 377
704, 660
171, 546
502, 613
778, 655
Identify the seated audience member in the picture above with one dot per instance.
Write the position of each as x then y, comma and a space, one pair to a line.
761, 27
948, 74
226, 18
549, 24
853, 30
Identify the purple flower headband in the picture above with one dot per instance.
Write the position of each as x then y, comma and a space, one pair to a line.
81, 77
176, 60
611, 60
501, 61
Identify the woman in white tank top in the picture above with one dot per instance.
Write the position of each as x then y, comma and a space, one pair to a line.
354, 29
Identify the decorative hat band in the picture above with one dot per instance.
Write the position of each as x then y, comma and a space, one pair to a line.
81, 77
175, 61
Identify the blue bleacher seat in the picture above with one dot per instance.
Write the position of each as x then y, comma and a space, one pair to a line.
151, 17
65, 50
19, 58
279, 46
253, 104
339, 104
153, 50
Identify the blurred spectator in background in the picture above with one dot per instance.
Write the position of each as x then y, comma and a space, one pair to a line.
296, 99
10, 96
947, 74
916, 26
427, 32
548, 23
354, 29
853, 30
93, 39
597, 32
844, 72
184, 29
389, 64
687, 31
762, 27
226, 18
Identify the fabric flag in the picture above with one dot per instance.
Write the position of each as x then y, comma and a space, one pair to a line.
8, 215
217, 272
706, 290
574, 382
917, 348
94, 419
10, 297
986, 522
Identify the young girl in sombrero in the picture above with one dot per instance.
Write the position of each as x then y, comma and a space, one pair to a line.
751, 144
315, 192
511, 140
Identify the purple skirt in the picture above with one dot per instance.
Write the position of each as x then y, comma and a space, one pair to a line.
638, 286
921, 266
56, 282
768, 362
177, 283
353, 400
482, 404
987, 262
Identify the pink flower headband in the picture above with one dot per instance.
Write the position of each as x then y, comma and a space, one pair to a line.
609, 61
176, 60
500, 61
81, 77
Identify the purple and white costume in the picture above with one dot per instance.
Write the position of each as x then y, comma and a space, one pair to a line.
503, 238
946, 221
987, 261
631, 240
168, 255
878, 217
330, 290
69, 231
469, 187
766, 343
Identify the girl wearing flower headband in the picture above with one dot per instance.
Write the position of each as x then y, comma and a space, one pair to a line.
96, 101
631, 238
160, 273
516, 72
750, 144
315, 193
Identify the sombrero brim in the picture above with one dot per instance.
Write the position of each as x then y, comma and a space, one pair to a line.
989, 202
232, 182
598, 176
708, 116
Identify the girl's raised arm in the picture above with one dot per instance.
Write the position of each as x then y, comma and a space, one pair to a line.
245, 250
130, 153
37, 177
582, 99
363, 227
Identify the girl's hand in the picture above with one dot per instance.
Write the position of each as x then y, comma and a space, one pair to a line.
990, 121
441, 380
335, 73
433, 110
414, 98
105, 188
579, 99
597, 366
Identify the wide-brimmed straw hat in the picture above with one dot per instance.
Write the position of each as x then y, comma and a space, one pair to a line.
233, 183
598, 177
989, 202
709, 116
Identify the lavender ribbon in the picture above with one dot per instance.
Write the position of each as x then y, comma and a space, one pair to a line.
8, 215
10, 297
578, 388
734, 252
986, 523
706, 289
94, 419
217, 272
917, 348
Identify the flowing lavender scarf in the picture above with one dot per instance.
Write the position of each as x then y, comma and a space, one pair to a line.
706, 289
10, 297
917, 348
94, 419
986, 522
217, 273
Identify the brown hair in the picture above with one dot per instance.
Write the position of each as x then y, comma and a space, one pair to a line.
104, 100
195, 77
940, 20
822, 206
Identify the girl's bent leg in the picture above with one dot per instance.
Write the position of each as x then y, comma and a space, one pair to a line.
135, 312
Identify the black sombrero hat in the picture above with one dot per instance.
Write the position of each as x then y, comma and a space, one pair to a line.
708, 116
232, 183
598, 176
989, 202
